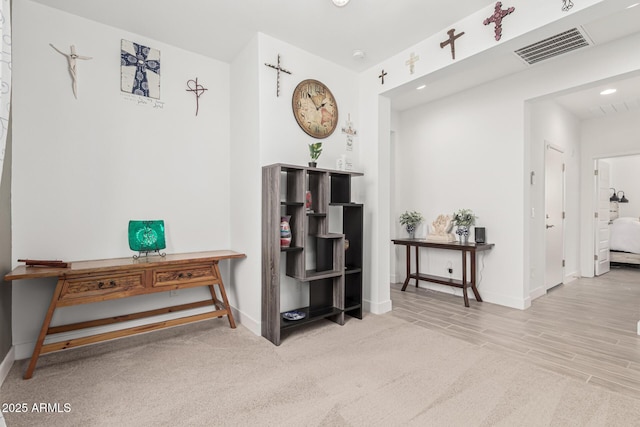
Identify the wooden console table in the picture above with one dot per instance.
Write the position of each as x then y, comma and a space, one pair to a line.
468, 248
86, 282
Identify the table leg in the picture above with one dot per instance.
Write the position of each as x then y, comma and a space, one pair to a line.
464, 278
473, 277
232, 322
417, 265
406, 280
43, 331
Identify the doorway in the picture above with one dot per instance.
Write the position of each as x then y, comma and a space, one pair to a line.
554, 216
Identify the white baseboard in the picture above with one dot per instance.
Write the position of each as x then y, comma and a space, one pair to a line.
377, 308
570, 277
6, 364
247, 321
537, 293
638, 327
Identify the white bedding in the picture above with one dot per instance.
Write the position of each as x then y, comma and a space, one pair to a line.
625, 235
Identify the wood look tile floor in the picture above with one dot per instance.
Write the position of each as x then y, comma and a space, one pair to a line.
586, 329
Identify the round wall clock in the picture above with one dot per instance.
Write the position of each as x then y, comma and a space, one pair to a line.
315, 108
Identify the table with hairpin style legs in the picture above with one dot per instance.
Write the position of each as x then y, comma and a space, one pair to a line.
87, 282
465, 248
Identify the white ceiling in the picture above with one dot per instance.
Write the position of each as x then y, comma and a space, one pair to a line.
220, 29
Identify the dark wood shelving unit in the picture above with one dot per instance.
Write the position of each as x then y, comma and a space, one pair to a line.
333, 289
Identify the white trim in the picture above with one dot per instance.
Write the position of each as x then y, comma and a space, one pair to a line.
6, 365
380, 308
537, 293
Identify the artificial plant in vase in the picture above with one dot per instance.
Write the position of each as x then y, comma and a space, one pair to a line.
411, 220
315, 149
463, 219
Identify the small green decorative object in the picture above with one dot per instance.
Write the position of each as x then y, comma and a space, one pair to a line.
147, 236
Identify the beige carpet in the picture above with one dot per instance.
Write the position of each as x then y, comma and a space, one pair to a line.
380, 371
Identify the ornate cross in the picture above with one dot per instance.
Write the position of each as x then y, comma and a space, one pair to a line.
278, 68
142, 64
497, 17
413, 58
197, 89
381, 76
566, 5
452, 41
71, 59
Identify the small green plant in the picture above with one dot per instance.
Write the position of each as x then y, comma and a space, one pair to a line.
411, 219
464, 218
315, 150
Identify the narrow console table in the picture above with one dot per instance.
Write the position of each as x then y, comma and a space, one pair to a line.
464, 248
86, 282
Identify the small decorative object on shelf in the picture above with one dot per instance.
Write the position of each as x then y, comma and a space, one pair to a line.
294, 315
308, 201
411, 220
463, 219
147, 236
285, 231
315, 149
441, 230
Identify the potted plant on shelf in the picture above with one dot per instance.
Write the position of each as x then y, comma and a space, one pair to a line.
463, 219
411, 220
315, 149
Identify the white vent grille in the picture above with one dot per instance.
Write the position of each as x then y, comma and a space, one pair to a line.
553, 46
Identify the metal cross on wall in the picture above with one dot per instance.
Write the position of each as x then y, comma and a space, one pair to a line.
498, 14
566, 5
413, 58
197, 89
452, 41
278, 68
381, 76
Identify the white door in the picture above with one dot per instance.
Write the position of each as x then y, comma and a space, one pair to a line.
554, 216
602, 260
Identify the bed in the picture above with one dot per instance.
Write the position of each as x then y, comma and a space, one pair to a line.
625, 240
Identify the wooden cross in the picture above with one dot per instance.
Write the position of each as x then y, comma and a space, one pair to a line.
452, 41
278, 68
381, 76
566, 5
498, 14
71, 60
413, 58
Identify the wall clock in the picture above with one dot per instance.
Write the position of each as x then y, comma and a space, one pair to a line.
315, 108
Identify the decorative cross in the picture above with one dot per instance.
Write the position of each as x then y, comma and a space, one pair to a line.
197, 89
413, 58
71, 59
278, 68
452, 41
381, 76
142, 64
497, 17
566, 5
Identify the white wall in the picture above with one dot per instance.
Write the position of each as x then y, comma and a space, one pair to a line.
617, 135
472, 150
265, 132
83, 168
625, 176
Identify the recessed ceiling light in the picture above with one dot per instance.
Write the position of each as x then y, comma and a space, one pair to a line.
358, 54
632, 5
421, 87
340, 3
608, 91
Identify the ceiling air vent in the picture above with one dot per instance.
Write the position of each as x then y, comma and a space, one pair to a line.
554, 46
